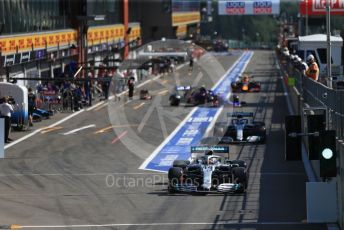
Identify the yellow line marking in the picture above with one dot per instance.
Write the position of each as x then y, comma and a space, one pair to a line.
100, 107
138, 106
48, 127
163, 92
15, 226
103, 130
47, 130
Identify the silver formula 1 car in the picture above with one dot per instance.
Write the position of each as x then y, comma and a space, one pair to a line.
240, 129
208, 173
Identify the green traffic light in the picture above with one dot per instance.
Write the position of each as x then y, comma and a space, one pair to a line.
327, 153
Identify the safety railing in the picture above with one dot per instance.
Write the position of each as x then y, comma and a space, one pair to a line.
317, 94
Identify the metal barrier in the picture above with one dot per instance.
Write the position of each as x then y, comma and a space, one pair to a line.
317, 94
341, 184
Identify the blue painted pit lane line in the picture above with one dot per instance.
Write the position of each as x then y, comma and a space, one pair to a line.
195, 125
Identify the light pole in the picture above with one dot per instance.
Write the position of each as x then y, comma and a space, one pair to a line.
83, 41
328, 29
306, 17
126, 27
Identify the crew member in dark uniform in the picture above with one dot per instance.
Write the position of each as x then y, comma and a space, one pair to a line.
31, 105
131, 83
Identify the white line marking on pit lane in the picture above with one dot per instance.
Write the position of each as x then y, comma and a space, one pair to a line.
197, 79
102, 106
243, 222
96, 105
41, 129
79, 129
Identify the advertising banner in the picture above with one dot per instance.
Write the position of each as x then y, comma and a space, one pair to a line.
249, 7
100, 34
185, 18
28, 42
318, 7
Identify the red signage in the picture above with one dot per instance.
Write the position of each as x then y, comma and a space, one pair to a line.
318, 7
262, 7
235, 8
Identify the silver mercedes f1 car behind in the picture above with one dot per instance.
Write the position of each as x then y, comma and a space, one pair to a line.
208, 173
240, 129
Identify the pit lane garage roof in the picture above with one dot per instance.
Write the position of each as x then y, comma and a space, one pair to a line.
319, 38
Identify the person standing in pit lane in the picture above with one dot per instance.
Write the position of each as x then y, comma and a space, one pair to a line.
302, 66
191, 62
131, 83
5, 110
31, 105
313, 69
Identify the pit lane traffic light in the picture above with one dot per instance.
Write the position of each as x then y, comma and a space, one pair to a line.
327, 153
315, 123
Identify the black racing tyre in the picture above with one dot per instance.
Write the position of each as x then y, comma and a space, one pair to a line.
174, 101
263, 139
175, 173
261, 131
231, 132
181, 163
239, 176
259, 123
221, 174
241, 163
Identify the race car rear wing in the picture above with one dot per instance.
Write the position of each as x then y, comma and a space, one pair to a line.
183, 88
240, 114
197, 151
205, 149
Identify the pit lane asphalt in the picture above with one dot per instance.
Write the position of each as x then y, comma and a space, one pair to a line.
84, 180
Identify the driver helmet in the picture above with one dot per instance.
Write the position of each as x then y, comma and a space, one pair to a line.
235, 98
212, 160
210, 152
245, 78
310, 58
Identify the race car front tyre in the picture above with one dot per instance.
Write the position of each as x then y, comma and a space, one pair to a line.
239, 176
175, 175
181, 163
240, 163
174, 101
